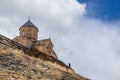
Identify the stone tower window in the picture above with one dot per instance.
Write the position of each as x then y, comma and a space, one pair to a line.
23, 33
29, 32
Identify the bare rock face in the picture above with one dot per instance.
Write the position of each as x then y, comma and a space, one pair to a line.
14, 65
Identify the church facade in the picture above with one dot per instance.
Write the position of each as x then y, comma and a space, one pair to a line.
28, 37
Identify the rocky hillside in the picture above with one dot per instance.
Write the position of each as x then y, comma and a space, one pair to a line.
15, 65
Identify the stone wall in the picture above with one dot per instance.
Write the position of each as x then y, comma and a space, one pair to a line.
29, 32
46, 47
24, 41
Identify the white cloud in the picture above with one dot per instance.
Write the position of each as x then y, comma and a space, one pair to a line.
95, 48
54, 12
90, 45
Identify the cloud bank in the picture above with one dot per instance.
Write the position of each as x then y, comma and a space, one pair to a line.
90, 45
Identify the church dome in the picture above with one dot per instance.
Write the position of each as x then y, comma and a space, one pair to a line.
29, 24
29, 30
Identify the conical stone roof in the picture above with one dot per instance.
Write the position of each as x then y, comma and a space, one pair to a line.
29, 24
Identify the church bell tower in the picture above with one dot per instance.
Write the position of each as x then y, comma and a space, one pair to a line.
28, 37
28, 34
29, 30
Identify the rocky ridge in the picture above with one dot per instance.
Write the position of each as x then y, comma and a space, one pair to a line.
15, 65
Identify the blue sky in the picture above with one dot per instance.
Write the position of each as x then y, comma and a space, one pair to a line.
107, 10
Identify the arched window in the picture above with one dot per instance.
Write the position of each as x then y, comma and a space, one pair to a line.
29, 32
23, 33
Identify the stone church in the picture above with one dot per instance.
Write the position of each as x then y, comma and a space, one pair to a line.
28, 36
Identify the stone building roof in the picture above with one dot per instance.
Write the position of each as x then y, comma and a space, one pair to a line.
29, 24
47, 40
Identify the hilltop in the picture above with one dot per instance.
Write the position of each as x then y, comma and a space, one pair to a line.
25, 57
15, 65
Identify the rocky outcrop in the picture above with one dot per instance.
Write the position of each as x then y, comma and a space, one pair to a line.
14, 65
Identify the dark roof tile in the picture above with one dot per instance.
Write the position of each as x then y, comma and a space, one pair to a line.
30, 24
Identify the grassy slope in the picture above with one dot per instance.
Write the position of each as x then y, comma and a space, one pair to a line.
14, 65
